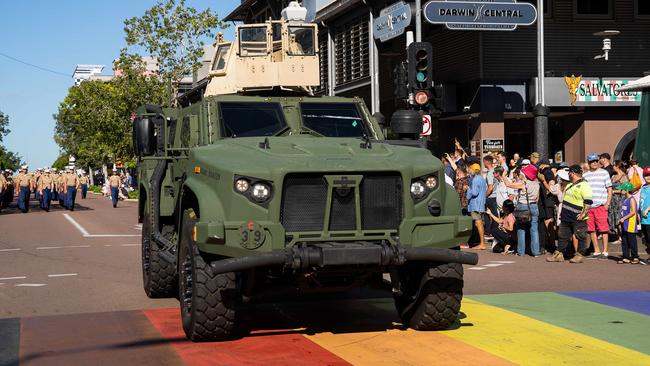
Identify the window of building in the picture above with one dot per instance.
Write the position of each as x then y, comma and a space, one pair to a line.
596, 9
252, 41
642, 8
352, 51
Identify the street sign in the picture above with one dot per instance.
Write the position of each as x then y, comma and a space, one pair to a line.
392, 21
426, 125
480, 14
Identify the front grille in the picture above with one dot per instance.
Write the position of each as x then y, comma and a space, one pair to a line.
304, 203
381, 202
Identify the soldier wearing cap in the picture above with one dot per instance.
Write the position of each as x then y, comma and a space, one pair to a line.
71, 182
114, 182
55, 192
83, 180
36, 176
45, 187
60, 188
3, 187
24, 185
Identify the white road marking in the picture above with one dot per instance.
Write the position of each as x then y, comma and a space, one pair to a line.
85, 232
10, 250
63, 275
12, 278
477, 268
129, 245
30, 285
107, 245
77, 225
493, 264
1, 283
503, 262
64, 247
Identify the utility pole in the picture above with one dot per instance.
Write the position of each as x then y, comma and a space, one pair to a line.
418, 21
540, 111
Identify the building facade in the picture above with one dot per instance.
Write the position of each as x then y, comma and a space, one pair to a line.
489, 77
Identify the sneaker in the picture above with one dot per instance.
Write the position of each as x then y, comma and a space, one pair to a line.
595, 255
578, 258
556, 257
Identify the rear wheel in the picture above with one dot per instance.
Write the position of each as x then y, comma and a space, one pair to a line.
158, 275
431, 295
208, 301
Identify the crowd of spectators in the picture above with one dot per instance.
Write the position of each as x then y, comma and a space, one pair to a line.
532, 206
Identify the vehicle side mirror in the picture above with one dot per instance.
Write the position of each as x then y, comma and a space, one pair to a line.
144, 139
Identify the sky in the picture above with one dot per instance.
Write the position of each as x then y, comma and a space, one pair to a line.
58, 35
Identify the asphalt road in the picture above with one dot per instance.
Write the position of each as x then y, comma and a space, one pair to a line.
71, 293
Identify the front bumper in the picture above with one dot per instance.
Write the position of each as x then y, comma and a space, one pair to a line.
336, 254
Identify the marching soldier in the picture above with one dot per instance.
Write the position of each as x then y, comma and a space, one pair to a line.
37, 196
71, 182
114, 182
55, 191
3, 188
59, 188
84, 184
24, 185
45, 187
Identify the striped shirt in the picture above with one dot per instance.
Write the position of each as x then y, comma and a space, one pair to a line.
599, 181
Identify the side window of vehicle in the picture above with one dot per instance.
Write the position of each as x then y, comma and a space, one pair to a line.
185, 132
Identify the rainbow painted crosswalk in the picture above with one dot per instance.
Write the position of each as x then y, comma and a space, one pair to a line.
589, 328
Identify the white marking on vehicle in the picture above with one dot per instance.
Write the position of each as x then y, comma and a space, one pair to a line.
10, 250
62, 275
30, 285
493, 264
12, 278
477, 268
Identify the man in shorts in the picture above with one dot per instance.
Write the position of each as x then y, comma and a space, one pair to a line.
476, 197
597, 221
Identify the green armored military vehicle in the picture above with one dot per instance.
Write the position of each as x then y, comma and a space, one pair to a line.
261, 186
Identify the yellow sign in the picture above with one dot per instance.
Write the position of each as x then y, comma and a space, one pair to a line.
572, 84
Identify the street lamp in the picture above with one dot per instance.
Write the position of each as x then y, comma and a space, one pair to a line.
607, 42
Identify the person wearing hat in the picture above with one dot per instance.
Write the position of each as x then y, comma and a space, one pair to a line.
476, 198
24, 185
45, 187
527, 201
114, 182
534, 158
71, 185
54, 195
83, 180
598, 219
37, 195
644, 205
60, 184
627, 224
576, 202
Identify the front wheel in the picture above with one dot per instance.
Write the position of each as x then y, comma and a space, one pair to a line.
158, 275
431, 295
208, 301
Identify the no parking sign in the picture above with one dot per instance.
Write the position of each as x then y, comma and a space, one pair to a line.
426, 125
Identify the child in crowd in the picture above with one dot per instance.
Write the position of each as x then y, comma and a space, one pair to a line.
628, 224
505, 232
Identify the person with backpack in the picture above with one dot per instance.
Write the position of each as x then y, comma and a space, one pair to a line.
628, 224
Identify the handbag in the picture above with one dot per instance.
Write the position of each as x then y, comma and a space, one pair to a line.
523, 216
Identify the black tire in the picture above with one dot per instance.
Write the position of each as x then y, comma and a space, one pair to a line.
431, 295
208, 301
158, 275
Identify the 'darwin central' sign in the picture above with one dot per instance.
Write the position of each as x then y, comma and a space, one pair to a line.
480, 14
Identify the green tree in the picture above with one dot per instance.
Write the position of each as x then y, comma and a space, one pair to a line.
9, 160
4, 125
174, 34
93, 122
61, 162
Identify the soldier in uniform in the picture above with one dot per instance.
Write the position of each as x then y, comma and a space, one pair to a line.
45, 188
71, 182
37, 196
55, 191
84, 184
24, 185
114, 182
3, 188
59, 186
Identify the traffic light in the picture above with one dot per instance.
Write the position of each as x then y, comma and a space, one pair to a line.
420, 71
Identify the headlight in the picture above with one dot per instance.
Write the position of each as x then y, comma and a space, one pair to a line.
261, 192
418, 190
432, 182
242, 185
